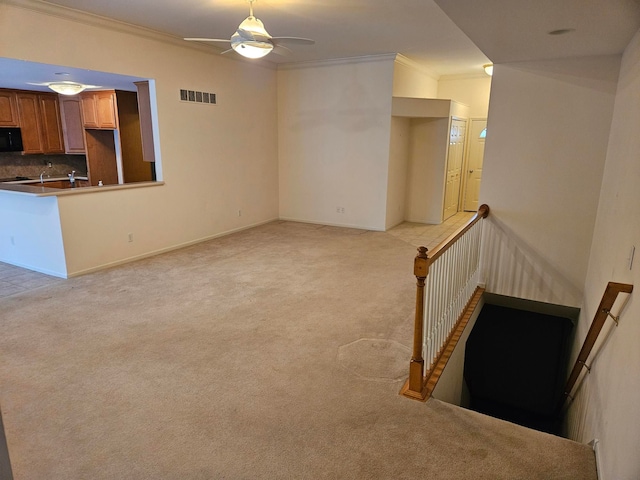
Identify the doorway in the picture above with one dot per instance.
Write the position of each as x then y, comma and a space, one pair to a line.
475, 158
455, 157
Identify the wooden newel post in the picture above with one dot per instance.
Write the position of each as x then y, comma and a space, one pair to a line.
416, 368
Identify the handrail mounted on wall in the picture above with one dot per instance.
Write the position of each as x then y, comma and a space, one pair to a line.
604, 310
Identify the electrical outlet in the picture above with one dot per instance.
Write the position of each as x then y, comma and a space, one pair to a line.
339, 209
131, 237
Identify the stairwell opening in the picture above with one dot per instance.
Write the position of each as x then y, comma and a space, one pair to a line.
512, 361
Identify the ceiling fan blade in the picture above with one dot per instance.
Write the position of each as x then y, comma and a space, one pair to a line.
207, 40
281, 50
246, 34
294, 40
250, 36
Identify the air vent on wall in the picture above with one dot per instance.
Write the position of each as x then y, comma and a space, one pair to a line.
197, 97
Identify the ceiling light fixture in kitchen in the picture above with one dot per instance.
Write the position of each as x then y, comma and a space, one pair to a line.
67, 88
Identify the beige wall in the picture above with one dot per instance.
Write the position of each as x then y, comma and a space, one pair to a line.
547, 137
333, 137
398, 170
215, 160
607, 403
473, 91
429, 138
410, 80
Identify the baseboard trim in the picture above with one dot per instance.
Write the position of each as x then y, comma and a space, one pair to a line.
167, 249
595, 444
329, 224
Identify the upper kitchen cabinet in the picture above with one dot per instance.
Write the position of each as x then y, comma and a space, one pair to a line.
114, 155
8, 109
39, 118
99, 110
29, 114
72, 125
52, 138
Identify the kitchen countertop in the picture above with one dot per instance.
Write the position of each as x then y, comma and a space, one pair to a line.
29, 187
28, 180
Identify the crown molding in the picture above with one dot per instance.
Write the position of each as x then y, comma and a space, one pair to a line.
407, 62
41, 6
466, 76
385, 57
85, 18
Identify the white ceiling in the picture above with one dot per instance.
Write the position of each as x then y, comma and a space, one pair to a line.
517, 30
501, 30
418, 29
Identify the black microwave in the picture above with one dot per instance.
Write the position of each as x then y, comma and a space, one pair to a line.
10, 140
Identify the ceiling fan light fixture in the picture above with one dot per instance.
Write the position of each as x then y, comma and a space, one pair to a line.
251, 39
252, 49
253, 25
67, 88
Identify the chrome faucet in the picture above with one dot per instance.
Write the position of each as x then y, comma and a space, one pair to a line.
72, 178
42, 177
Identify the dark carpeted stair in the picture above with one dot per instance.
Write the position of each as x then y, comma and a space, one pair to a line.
515, 365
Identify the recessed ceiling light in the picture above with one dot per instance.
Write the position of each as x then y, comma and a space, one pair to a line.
562, 31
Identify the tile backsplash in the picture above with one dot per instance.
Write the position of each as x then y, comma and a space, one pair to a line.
16, 164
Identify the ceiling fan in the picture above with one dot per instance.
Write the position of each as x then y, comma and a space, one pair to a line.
252, 40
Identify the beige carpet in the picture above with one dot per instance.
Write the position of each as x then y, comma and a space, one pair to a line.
274, 353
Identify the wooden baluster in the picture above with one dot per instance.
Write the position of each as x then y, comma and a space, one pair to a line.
416, 367
444, 303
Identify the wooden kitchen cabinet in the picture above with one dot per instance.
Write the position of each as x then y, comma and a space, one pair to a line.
99, 110
29, 115
39, 117
72, 124
8, 109
52, 138
134, 168
101, 157
113, 138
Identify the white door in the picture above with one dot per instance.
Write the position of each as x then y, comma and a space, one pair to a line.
477, 135
454, 167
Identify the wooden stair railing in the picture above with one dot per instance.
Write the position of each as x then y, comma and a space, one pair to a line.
604, 310
416, 385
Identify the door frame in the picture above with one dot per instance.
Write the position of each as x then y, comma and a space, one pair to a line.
465, 161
